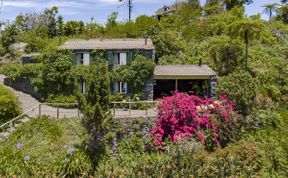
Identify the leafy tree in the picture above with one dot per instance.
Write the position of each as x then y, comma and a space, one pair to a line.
230, 4
73, 28
283, 13
225, 54
111, 20
95, 107
270, 8
8, 36
194, 3
284, 1
60, 24
55, 74
247, 29
240, 87
145, 24
52, 21
213, 8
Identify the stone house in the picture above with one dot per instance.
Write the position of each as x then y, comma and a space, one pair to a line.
117, 52
167, 78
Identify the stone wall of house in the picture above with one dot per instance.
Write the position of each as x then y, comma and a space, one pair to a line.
213, 85
23, 85
149, 89
147, 53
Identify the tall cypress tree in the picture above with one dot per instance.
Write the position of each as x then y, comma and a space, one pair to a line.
95, 108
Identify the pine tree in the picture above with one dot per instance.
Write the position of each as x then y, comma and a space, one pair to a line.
95, 108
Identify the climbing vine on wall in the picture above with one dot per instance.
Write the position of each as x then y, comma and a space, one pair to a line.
136, 75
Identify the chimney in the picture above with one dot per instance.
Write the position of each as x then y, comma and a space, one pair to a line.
146, 39
200, 62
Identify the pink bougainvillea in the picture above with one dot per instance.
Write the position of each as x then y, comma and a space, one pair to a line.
183, 115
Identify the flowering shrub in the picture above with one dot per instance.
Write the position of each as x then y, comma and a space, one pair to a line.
208, 121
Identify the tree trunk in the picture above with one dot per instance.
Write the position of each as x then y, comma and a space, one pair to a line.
270, 15
246, 42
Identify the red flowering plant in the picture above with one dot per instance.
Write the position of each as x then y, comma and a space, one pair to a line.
186, 116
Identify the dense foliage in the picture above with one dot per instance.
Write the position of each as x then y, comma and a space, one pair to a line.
249, 55
9, 105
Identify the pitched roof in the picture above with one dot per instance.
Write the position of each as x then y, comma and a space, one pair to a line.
121, 43
166, 10
183, 71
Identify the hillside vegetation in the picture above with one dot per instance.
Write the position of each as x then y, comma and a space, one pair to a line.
242, 137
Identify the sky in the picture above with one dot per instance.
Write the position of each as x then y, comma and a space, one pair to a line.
99, 9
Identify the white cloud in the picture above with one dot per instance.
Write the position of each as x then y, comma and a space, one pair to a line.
41, 4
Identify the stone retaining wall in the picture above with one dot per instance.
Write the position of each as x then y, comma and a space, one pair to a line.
23, 85
127, 127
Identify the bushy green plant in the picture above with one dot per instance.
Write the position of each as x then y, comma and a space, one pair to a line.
241, 88
131, 145
266, 118
9, 106
45, 147
15, 71
75, 163
65, 99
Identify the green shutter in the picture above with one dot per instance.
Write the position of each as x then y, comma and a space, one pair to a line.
129, 57
74, 59
129, 88
110, 58
112, 86
91, 58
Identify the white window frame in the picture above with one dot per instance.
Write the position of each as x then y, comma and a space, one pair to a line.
121, 87
120, 58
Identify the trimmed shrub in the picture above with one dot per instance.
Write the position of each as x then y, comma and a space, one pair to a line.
9, 106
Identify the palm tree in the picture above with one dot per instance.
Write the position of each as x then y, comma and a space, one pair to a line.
270, 8
130, 6
247, 29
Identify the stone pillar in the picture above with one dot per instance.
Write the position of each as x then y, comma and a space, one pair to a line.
149, 89
213, 85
